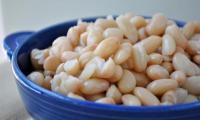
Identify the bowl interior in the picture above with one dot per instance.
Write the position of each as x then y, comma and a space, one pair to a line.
44, 39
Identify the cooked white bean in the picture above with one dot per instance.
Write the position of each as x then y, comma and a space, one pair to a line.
157, 25
107, 47
60, 45
182, 63
38, 57
128, 29
156, 72
175, 32
69, 55
142, 33
95, 97
83, 39
63, 83
113, 32
129, 64
130, 100
51, 63
196, 59
151, 44
105, 100
159, 87
60, 68
114, 93
189, 29
192, 84
141, 79
179, 76
73, 35
146, 97
155, 58
190, 98
138, 21
181, 95
127, 82
169, 96
175, 96
193, 47
72, 67
94, 86
140, 59
82, 25
36, 77
88, 71
85, 58
108, 68
123, 53
168, 45
95, 36
117, 74
105, 23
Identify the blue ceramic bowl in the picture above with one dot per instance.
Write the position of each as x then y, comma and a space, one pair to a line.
43, 104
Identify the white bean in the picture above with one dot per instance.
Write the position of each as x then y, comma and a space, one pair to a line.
123, 53
113, 32
36, 77
72, 67
130, 100
113, 92
175, 32
157, 25
107, 47
127, 82
156, 72
159, 87
182, 63
146, 97
138, 21
105, 100
151, 44
139, 56
94, 86
189, 29
128, 29
190, 98
168, 45
179, 76
192, 84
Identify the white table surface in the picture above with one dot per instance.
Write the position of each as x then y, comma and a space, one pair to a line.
11, 106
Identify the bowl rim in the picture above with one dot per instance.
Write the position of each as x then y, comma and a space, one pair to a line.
89, 104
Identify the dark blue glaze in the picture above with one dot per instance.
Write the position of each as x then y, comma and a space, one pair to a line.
43, 104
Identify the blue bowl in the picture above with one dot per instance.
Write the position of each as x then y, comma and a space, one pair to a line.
43, 104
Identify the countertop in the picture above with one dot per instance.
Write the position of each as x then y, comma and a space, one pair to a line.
11, 105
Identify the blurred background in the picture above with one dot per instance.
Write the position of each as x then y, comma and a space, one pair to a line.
19, 15
22, 15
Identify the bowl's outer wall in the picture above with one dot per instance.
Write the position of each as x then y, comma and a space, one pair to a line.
42, 106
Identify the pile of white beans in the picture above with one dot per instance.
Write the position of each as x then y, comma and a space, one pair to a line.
127, 61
